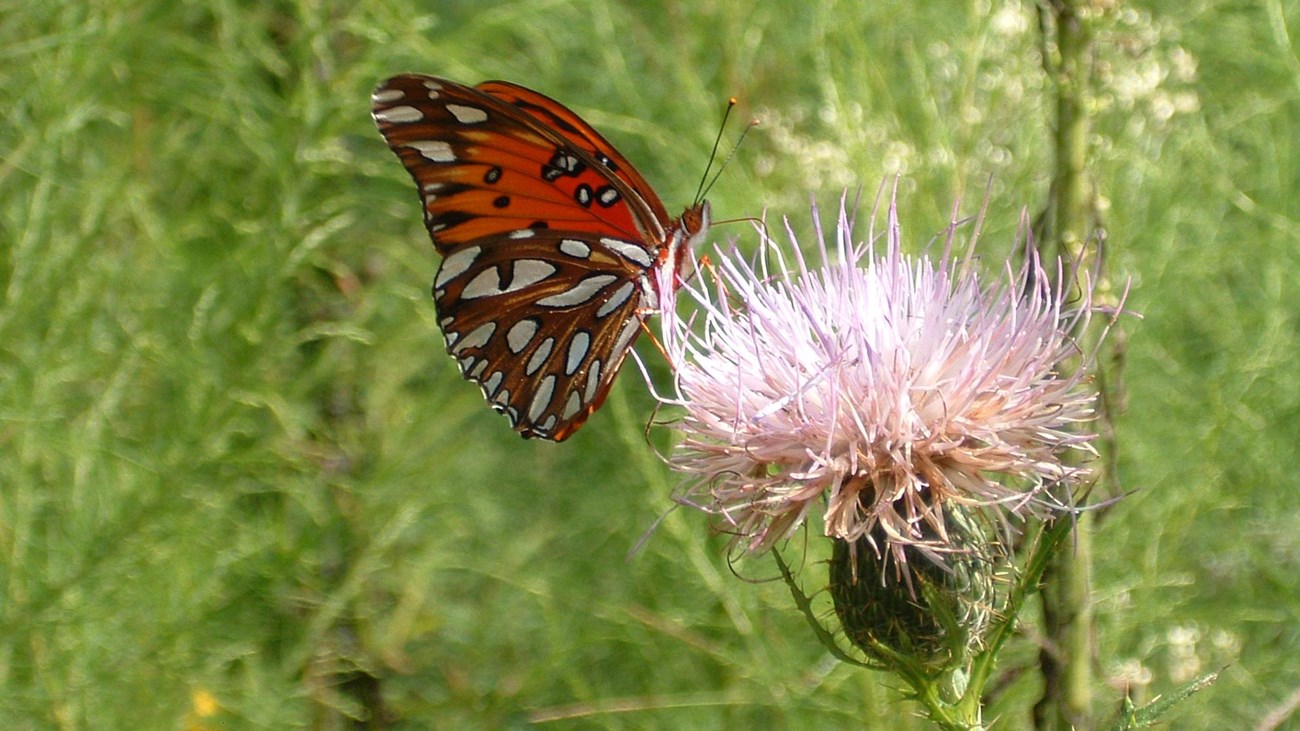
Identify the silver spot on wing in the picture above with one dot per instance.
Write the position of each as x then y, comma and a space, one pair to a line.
578, 293
399, 115
578, 347
433, 150
616, 300
467, 114
477, 338
521, 334
539, 356
634, 253
541, 398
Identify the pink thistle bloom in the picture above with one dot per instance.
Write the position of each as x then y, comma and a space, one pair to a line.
879, 386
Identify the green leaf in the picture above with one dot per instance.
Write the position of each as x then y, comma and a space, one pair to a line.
1147, 715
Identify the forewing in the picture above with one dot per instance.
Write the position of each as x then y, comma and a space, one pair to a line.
554, 115
489, 161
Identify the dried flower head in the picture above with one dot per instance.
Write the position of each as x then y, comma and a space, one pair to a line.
880, 386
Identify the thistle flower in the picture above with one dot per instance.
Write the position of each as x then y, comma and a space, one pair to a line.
879, 386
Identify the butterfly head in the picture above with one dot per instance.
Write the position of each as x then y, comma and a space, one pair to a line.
695, 221
685, 236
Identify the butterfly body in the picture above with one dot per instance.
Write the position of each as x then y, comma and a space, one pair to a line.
554, 247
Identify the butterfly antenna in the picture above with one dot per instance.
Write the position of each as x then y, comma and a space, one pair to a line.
713, 154
705, 191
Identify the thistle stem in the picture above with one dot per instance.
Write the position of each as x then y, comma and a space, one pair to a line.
1066, 656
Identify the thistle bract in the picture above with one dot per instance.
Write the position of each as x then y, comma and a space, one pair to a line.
931, 613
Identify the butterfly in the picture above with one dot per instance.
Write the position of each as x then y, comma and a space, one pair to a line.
553, 246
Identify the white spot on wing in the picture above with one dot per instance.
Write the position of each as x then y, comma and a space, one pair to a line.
577, 351
539, 356
529, 271
649, 297
616, 300
477, 338
523, 233
574, 248
477, 373
541, 398
487, 283
521, 334
384, 96
456, 265
467, 115
433, 150
546, 426
593, 381
625, 338
571, 406
493, 382
578, 293
634, 253
399, 115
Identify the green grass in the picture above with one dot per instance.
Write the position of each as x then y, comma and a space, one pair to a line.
235, 462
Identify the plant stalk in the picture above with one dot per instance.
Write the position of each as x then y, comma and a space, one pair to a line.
1067, 652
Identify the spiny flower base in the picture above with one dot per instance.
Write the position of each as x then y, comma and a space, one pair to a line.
918, 611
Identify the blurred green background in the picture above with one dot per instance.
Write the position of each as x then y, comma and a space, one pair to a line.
242, 486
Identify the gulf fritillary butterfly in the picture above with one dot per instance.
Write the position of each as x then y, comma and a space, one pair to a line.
551, 242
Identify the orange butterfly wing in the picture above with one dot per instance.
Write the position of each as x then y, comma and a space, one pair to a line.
549, 238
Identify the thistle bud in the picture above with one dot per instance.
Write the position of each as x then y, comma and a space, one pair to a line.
933, 610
